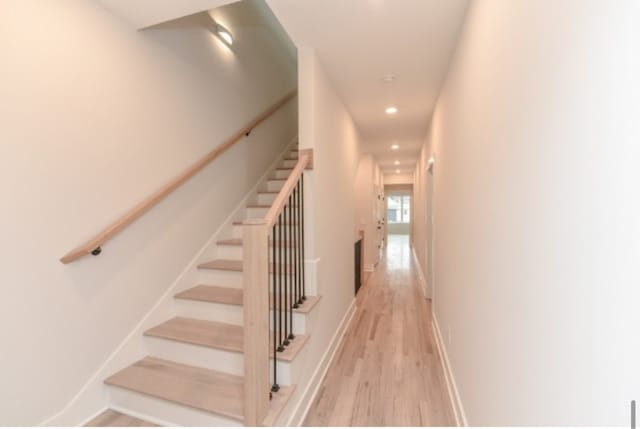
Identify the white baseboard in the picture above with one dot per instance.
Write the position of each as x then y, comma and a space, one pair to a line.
91, 399
421, 277
456, 403
308, 397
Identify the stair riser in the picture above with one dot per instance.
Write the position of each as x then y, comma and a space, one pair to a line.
227, 313
220, 278
281, 174
256, 213
275, 185
288, 163
212, 311
166, 411
236, 231
209, 358
229, 252
266, 198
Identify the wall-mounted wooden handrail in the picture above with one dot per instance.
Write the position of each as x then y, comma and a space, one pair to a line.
305, 161
93, 246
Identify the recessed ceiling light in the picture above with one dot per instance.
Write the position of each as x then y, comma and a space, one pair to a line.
395, 147
388, 78
397, 171
224, 35
396, 163
391, 110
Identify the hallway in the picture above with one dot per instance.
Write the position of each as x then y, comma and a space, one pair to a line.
387, 371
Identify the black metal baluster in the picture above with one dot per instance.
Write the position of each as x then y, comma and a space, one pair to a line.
277, 309
274, 387
304, 297
287, 223
290, 267
294, 246
299, 246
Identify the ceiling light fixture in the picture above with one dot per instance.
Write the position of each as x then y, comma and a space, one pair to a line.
391, 110
397, 171
396, 163
224, 34
388, 78
395, 147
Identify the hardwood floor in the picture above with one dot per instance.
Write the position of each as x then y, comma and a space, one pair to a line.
387, 371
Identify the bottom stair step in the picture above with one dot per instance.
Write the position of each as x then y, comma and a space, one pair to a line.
198, 388
203, 389
111, 418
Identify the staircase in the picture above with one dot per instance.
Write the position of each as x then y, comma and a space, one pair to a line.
194, 374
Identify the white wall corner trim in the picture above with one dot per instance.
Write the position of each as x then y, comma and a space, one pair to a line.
421, 278
454, 396
308, 397
90, 401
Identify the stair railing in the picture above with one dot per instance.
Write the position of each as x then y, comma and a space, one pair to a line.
94, 245
274, 282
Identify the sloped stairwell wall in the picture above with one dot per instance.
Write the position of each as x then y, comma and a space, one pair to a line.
95, 116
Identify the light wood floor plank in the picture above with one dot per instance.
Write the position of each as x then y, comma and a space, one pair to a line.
387, 371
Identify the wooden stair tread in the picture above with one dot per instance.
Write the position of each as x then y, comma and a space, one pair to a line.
237, 266
198, 388
240, 223
216, 335
216, 294
238, 242
222, 264
111, 418
230, 242
233, 296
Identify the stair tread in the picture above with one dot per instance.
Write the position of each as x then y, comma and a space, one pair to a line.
239, 222
112, 418
199, 388
238, 242
222, 264
259, 206
233, 296
217, 335
217, 294
237, 266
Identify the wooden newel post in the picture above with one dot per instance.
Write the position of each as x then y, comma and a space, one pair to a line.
256, 321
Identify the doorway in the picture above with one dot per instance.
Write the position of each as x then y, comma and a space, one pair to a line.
398, 210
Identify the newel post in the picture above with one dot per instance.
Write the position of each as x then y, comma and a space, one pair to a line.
256, 320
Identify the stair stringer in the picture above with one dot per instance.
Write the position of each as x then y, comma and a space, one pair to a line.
93, 398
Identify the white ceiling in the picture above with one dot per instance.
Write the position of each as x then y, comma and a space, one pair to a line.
360, 41
143, 13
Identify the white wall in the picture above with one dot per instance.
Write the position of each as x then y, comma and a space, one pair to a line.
95, 115
330, 211
398, 179
537, 232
